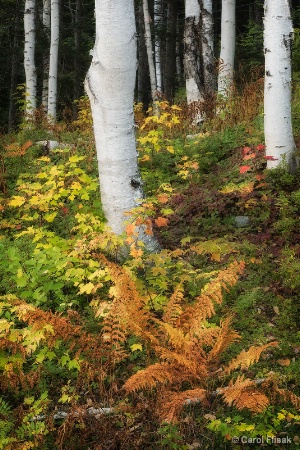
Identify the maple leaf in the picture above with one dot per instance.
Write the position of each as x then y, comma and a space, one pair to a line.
17, 201
244, 169
163, 198
161, 221
260, 147
130, 229
136, 252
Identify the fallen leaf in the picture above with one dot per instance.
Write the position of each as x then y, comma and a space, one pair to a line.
284, 362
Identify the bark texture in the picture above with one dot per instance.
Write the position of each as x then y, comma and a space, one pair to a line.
110, 85
278, 33
29, 59
53, 62
227, 54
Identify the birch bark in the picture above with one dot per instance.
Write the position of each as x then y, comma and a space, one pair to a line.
53, 62
157, 44
150, 53
278, 33
110, 85
46, 27
29, 59
207, 39
227, 53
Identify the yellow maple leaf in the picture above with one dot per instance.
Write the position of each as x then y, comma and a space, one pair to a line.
136, 252
17, 200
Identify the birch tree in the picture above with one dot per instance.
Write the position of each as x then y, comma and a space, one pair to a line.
110, 85
227, 53
207, 44
192, 52
157, 44
278, 33
29, 59
150, 52
46, 56
53, 62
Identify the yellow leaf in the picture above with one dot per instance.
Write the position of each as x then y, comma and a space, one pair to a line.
86, 288
50, 216
136, 252
17, 201
135, 347
76, 158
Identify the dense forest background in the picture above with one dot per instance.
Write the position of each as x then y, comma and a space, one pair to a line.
77, 31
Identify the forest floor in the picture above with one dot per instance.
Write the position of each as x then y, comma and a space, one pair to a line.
80, 328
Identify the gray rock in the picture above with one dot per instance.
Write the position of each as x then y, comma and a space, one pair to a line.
242, 221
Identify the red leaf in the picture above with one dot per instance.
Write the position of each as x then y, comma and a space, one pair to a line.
260, 147
246, 150
244, 169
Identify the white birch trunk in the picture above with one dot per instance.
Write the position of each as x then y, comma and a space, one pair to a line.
46, 27
278, 33
53, 63
110, 84
157, 42
29, 59
208, 47
191, 53
150, 54
227, 53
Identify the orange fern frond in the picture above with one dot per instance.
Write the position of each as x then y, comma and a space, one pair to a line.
242, 394
224, 339
174, 309
171, 404
150, 377
246, 358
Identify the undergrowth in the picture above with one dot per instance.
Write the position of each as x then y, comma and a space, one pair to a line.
193, 347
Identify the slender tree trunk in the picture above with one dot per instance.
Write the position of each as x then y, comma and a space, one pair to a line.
278, 33
193, 61
77, 45
46, 56
53, 66
150, 53
207, 40
14, 64
143, 72
110, 85
157, 42
29, 59
170, 66
226, 69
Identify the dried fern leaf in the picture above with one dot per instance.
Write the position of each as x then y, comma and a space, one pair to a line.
246, 358
149, 378
172, 404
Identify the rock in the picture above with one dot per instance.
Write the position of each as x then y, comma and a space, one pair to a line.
242, 221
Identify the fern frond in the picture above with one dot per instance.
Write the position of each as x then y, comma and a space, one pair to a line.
242, 394
174, 309
246, 358
171, 404
175, 337
150, 377
224, 339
